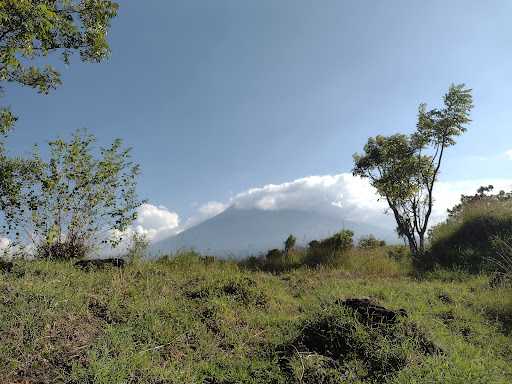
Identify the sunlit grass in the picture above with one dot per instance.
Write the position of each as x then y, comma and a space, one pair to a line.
196, 320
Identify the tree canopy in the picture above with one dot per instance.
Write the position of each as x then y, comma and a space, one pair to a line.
404, 168
31, 30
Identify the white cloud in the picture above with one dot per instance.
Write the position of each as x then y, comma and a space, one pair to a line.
350, 197
354, 197
447, 193
211, 208
4, 243
508, 154
156, 222
203, 213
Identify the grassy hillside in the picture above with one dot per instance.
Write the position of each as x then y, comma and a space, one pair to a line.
191, 321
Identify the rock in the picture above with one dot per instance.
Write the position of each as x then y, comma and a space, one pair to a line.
100, 263
445, 298
371, 312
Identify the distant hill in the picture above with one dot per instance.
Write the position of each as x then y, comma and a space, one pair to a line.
242, 232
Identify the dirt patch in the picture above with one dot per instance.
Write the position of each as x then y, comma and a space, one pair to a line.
371, 313
355, 340
102, 311
65, 345
242, 290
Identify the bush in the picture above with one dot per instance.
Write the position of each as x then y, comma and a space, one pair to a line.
63, 250
373, 262
326, 251
398, 252
82, 196
466, 239
138, 248
370, 241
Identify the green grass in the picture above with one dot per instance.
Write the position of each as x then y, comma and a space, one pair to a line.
197, 321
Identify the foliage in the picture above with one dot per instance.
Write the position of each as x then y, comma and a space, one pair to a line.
466, 239
75, 199
338, 242
404, 168
325, 251
502, 261
370, 241
398, 252
289, 243
138, 247
32, 29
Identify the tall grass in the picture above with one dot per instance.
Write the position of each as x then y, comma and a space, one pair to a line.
193, 319
502, 261
383, 261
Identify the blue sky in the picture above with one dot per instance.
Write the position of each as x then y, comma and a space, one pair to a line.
217, 97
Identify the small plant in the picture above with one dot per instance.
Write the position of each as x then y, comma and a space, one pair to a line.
138, 248
398, 252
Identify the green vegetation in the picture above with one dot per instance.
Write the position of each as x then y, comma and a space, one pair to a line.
328, 313
75, 201
475, 231
404, 168
192, 319
32, 30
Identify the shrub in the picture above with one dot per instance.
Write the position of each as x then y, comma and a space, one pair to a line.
274, 255
326, 251
372, 262
465, 239
63, 250
398, 252
138, 248
74, 201
289, 243
370, 241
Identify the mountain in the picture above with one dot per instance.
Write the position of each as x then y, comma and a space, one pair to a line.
242, 232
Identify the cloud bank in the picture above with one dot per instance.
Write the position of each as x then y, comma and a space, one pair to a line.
350, 197
156, 222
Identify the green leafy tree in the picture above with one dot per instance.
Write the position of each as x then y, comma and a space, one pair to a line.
404, 168
33, 29
289, 244
76, 200
370, 241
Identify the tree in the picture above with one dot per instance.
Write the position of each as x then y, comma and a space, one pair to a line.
370, 241
77, 200
404, 168
32, 29
289, 244
340, 241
